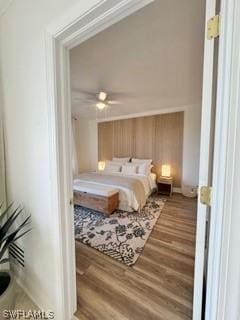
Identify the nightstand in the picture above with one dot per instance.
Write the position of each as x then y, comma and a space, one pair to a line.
165, 185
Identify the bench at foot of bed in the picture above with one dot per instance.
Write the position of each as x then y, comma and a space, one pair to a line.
96, 197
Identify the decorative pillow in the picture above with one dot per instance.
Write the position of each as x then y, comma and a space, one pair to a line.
121, 160
112, 168
148, 161
129, 169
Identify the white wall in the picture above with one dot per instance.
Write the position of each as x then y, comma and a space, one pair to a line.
86, 144
191, 145
23, 66
2, 161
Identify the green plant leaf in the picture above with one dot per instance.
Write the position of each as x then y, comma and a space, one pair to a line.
11, 238
4, 261
5, 212
18, 237
21, 226
7, 225
9, 233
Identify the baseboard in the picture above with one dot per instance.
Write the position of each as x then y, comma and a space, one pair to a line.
177, 190
33, 292
34, 299
36, 295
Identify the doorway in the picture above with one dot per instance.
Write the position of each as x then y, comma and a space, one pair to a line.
135, 79
65, 159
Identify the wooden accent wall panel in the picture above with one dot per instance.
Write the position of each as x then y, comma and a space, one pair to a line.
145, 137
157, 137
123, 137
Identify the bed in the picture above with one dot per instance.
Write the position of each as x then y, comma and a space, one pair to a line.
134, 189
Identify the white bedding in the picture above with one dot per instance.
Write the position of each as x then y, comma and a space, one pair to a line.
127, 199
153, 181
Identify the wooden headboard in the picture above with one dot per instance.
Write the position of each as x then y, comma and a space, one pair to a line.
158, 137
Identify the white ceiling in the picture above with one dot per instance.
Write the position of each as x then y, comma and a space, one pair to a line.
4, 4
150, 60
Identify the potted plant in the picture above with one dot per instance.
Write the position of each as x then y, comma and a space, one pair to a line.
10, 232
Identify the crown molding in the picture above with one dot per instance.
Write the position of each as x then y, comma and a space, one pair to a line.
149, 113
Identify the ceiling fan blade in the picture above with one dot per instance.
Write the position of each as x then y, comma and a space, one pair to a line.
84, 100
112, 102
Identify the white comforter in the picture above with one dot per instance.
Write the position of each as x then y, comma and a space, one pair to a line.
127, 198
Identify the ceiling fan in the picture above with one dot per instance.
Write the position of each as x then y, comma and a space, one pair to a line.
100, 100
103, 102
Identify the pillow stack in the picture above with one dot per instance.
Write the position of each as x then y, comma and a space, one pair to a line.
137, 166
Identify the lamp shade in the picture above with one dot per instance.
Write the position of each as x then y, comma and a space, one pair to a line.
166, 170
101, 165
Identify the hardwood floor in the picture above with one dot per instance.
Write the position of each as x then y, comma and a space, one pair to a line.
158, 287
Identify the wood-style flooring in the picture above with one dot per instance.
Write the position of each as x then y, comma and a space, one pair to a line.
158, 287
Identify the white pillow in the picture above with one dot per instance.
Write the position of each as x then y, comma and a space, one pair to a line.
112, 168
144, 168
129, 169
148, 161
121, 160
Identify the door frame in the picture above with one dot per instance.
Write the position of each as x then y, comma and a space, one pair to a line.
225, 155
67, 32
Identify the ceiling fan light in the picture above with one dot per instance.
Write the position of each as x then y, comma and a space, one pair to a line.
102, 96
101, 105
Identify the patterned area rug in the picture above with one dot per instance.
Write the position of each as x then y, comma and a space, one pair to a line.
123, 235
